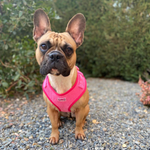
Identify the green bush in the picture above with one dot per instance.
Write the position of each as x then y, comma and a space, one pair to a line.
117, 36
117, 40
19, 71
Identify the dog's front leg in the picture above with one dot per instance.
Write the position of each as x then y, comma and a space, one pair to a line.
80, 120
54, 118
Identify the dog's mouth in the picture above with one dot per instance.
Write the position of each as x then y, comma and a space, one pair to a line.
55, 67
54, 71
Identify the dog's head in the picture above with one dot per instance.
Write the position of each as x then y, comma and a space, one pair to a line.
56, 52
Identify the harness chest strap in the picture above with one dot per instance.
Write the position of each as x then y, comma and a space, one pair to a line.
65, 101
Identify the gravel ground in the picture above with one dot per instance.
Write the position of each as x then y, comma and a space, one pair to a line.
117, 120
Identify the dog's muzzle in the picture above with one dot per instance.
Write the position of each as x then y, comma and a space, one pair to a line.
54, 61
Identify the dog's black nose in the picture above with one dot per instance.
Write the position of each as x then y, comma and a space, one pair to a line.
55, 56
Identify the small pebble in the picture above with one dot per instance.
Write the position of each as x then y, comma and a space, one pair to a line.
124, 145
104, 129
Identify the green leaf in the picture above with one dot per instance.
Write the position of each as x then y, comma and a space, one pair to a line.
5, 84
6, 47
31, 83
20, 13
16, 77
24, 2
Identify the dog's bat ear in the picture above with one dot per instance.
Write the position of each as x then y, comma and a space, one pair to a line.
76, 27
41, 24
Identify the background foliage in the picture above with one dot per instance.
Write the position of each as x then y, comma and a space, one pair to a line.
117, 39
19, 72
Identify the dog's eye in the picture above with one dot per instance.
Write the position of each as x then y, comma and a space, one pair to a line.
69, 51
45, 46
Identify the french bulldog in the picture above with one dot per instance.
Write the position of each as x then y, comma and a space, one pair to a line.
64, 88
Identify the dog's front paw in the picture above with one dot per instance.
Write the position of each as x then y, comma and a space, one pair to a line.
54, 138
79, 134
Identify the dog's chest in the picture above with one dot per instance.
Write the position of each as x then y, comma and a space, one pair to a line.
59, 83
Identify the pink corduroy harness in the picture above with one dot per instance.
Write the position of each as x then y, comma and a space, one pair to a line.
65, 101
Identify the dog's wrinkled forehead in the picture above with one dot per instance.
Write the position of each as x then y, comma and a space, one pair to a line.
58, 39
